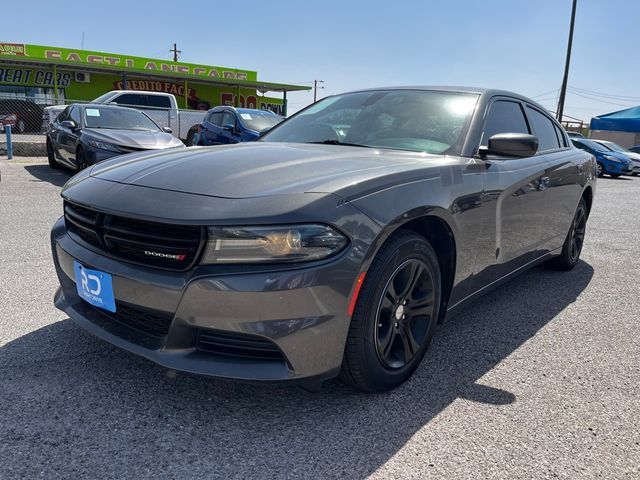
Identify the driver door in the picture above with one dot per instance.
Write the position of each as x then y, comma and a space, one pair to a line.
517, 190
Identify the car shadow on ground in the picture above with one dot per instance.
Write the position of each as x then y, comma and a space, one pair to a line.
140, 419
44, 173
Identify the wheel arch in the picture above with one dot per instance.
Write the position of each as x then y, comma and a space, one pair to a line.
434, 225
587, 194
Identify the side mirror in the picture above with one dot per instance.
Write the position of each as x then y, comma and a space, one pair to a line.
511, 145
70, 124
167, 129
263, 132
230, 127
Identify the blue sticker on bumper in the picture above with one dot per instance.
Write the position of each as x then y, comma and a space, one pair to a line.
94, 287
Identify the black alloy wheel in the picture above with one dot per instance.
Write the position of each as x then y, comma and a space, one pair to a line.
81, 160
572, 247
51, 157
395, 314
404, 313
577, 232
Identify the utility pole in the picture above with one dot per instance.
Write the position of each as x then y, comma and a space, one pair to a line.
175, 52
315, 89
563, 89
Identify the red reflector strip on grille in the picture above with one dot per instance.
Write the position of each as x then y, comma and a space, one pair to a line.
356, 292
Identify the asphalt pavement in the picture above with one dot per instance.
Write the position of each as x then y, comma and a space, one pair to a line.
538, 379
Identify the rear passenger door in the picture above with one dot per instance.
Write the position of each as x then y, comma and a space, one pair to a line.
516, 190
564, 177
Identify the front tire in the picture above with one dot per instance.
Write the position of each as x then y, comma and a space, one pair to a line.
600, 169
192, 139
81, 160
572, 247
51, 157
395, 315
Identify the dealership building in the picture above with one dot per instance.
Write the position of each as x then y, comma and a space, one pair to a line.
55, 75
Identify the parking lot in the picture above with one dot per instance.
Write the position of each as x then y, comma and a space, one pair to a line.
538, 379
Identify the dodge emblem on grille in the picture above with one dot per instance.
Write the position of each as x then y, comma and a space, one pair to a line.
170, 256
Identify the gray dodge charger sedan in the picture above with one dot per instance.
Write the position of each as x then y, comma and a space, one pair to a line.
333, 246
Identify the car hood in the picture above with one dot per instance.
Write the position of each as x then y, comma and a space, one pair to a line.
132, 138
633, 156
262, 169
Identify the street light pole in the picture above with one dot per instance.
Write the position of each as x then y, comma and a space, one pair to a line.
563, 89
315, 89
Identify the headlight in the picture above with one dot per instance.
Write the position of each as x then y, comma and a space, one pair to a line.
104, 146
613, 159
294, 243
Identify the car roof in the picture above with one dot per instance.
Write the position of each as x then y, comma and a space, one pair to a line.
449, 88
103, 105
239, 110
481, 91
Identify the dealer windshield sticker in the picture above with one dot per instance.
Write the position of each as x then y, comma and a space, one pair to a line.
246, 116
93, 112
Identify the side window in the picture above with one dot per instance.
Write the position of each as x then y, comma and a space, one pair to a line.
216, 119
581, 146
504, 117
132, 99
544, 129
158, 101
74, 114
228, 119
561, 136
63, 115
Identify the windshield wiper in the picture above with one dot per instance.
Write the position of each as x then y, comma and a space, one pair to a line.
333, 141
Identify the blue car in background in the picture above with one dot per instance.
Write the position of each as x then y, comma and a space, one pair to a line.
226, 125
608, 162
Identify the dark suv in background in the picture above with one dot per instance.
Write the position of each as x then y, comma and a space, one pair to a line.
226, 125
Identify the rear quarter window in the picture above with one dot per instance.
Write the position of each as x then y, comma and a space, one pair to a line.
543, 128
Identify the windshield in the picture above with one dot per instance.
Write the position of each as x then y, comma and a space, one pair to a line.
259, 121
103, 98
615, 147
413, 120
593, 145
118, 118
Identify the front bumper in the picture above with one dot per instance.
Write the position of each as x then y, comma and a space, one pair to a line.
301, 312
618, 168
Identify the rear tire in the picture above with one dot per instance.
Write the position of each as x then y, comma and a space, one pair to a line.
572, 247
53, 163
395, 315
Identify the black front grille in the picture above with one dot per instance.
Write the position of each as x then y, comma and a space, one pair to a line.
151, 322
161, 245
238, 345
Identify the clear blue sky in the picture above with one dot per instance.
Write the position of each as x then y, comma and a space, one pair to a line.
518, 45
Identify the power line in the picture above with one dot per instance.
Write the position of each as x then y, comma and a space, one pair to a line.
605, 95
554, 91
599, 100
